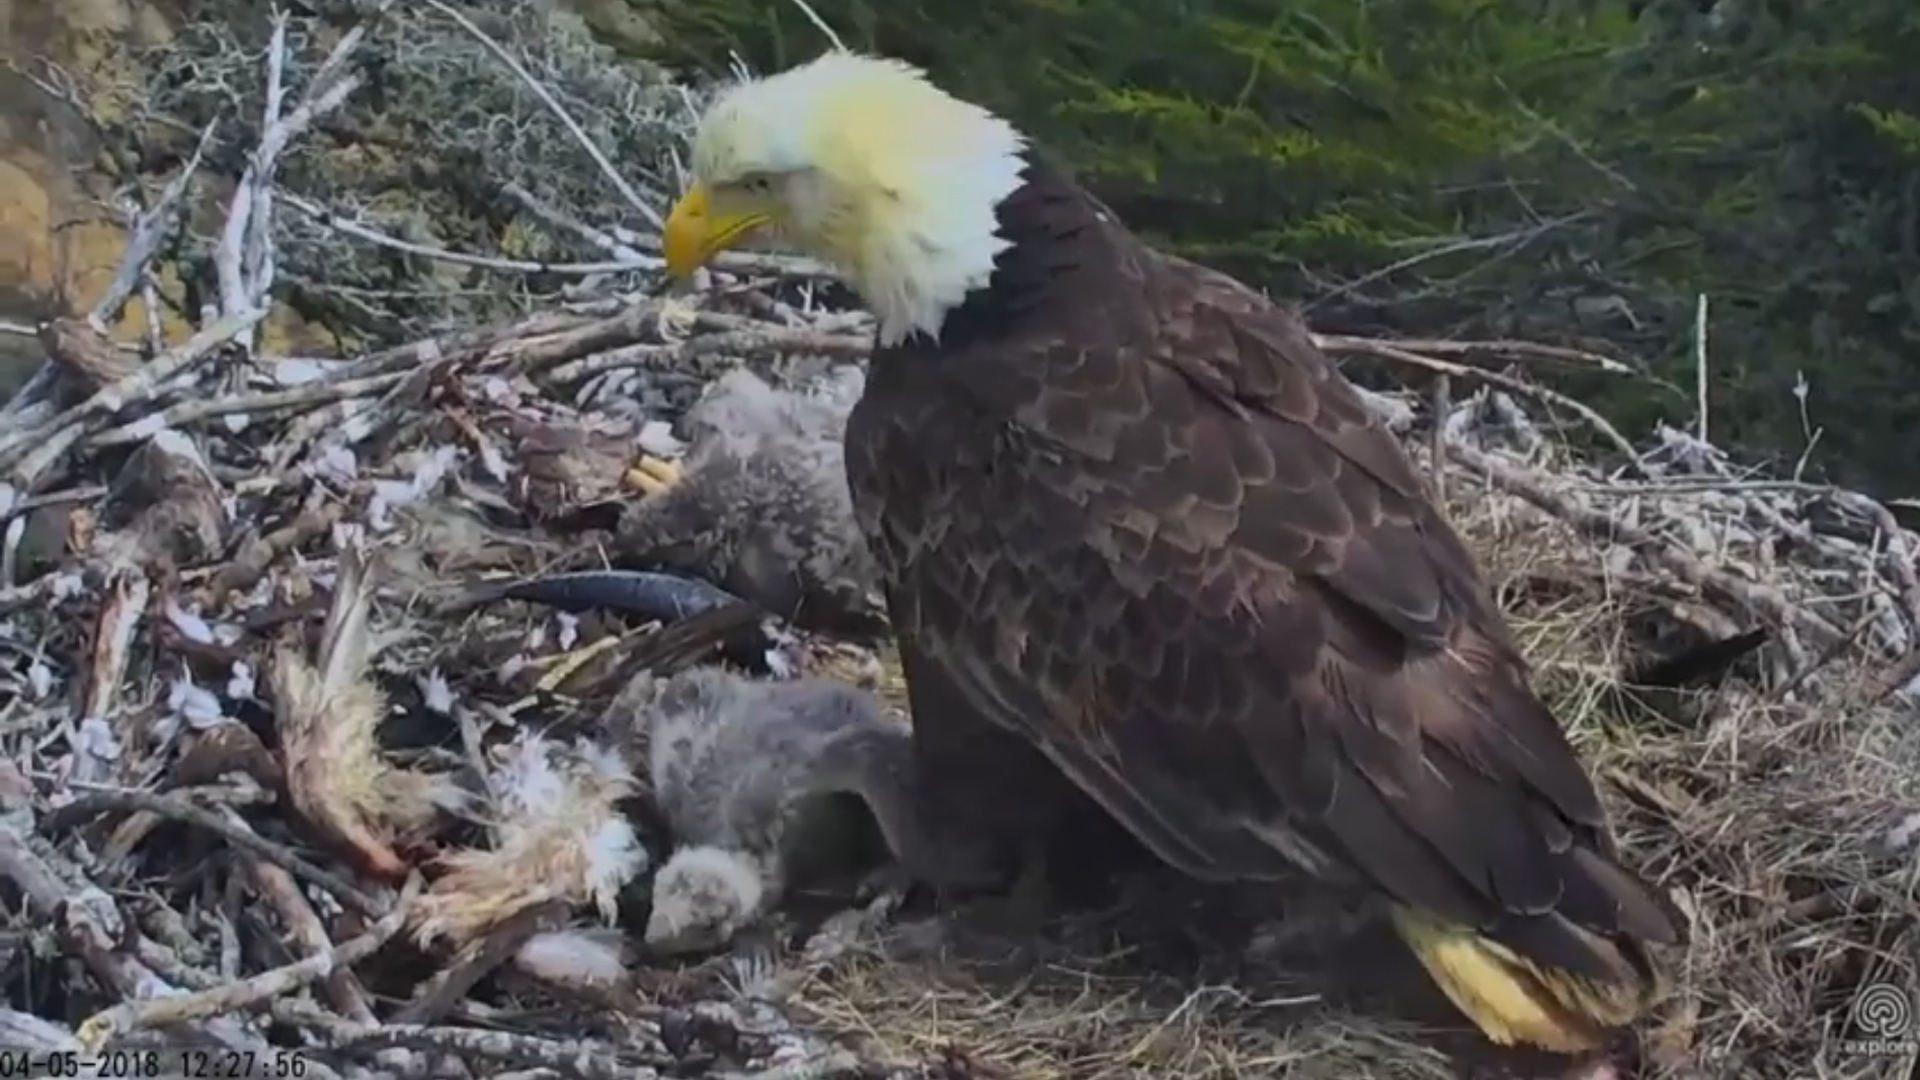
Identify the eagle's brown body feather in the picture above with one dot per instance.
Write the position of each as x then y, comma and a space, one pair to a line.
1129, 515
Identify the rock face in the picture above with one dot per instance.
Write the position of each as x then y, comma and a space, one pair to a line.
60, 238
58, 246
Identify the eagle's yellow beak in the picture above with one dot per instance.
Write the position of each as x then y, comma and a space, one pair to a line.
694, 235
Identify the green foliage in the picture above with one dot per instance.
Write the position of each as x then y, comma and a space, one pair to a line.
1897, 126
1573, 169
1313, 134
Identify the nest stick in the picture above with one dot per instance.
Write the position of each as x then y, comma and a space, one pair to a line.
247, 994
303, 925
128, 594
51, 443
1766, 601
233, 830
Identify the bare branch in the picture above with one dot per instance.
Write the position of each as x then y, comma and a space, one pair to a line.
243, 260
490, 262
546, 98
149, 229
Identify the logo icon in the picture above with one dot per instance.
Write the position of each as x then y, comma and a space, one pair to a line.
1882, 1011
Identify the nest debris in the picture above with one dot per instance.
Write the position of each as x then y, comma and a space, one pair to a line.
250, 707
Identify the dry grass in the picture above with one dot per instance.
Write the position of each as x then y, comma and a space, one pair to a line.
1085, 1023
1771, 820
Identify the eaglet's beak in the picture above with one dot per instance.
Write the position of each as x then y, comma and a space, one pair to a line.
694, 235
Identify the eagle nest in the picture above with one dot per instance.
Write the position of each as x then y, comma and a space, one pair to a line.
300, 759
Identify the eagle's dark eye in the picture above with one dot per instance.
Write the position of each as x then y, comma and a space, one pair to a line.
760, 184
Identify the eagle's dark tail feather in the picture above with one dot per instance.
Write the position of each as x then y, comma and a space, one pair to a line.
1513, 999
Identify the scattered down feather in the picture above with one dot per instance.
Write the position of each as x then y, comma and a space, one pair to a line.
586, 958
558, 835
329, 714
760, 506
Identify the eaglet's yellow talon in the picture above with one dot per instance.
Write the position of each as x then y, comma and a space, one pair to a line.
652, 475
94, 1033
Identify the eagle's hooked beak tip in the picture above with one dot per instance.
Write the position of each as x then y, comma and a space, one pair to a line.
694, 235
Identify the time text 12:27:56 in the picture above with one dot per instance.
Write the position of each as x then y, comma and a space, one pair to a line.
148, 1063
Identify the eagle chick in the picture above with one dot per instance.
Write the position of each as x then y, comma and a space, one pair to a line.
759, 506
760, 783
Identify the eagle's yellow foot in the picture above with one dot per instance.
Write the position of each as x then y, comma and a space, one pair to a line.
651, 475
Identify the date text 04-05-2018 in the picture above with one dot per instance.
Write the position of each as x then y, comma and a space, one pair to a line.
147, 1063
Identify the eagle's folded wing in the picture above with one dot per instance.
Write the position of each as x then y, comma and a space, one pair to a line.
1220, 601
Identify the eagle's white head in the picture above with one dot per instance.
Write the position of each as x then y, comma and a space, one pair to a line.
864, 164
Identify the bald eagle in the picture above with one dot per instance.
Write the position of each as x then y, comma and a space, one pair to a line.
1130, 521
